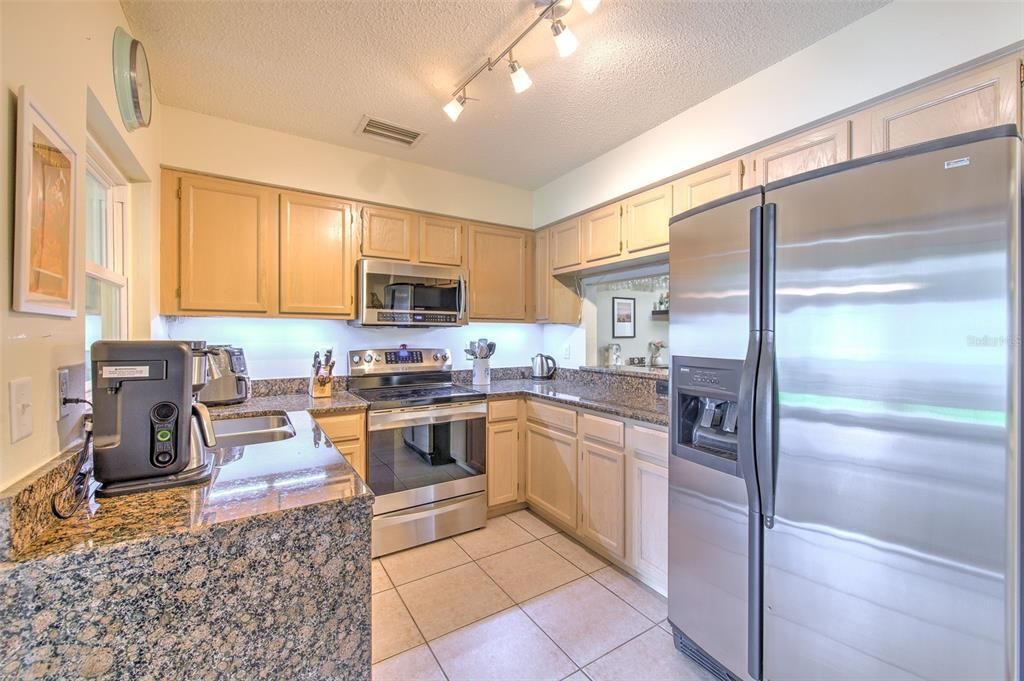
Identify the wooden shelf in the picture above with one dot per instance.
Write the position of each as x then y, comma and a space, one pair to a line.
659, 314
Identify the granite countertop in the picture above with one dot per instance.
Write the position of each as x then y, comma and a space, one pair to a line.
255, 480
641, 407
339, 402
626, 370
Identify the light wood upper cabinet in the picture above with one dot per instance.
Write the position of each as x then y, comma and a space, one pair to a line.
388, 233
555, 301
441, 241
602, 233
566, 245
502, 462
499, 273
647, 215
982, 98
317, 270
602, 496
811, 150
706, 185
227, 246
551, 472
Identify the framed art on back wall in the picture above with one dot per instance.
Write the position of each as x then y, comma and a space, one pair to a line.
623, 317
44, 215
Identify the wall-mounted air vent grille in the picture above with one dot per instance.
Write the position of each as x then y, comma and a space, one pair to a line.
374, 127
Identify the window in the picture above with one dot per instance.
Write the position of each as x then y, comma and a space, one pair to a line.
106, 281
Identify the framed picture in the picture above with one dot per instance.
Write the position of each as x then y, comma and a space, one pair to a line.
44, 215
623, 317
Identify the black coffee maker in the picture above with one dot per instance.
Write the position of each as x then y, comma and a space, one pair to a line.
150, 431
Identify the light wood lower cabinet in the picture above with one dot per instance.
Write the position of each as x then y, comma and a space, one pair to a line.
602, 517
227, 250
647, 504
317, 271
347, 432
502, 462
499, 273
551, 473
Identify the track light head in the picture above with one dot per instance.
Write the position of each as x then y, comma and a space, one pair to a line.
454, 107
520, 78
565, 41
590, 5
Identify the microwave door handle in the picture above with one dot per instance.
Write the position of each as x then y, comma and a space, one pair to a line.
462, 296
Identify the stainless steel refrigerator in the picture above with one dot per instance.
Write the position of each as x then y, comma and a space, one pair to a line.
845, 476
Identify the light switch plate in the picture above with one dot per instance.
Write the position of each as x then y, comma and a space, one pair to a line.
21, 408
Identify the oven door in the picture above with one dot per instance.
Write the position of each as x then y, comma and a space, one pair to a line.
422, 455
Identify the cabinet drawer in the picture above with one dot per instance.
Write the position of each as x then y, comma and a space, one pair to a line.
502, 410
649, 444
607, 431
557, 417
343, 427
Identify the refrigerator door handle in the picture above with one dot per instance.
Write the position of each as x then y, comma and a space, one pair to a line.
746, 450
766, 392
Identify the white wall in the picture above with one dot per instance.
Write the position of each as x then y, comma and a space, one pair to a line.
283, 348
195, 141
61, 51
888, 49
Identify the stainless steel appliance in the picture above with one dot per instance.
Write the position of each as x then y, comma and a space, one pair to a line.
232, 385
410, 294
544, 366
426, 445
845, 479
150, 431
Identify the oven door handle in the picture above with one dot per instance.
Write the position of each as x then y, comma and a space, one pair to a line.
425, 416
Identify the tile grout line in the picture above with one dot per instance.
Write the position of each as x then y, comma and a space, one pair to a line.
420, 631
624, 643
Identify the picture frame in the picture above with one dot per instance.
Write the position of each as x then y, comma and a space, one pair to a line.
45, 211
623, 317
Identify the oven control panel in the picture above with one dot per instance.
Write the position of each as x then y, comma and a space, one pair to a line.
398, 360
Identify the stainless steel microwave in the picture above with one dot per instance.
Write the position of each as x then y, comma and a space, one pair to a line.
410, 294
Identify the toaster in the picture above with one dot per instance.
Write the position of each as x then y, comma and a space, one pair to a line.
229, 377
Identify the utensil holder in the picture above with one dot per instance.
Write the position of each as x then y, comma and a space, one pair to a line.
317, 389
481, 372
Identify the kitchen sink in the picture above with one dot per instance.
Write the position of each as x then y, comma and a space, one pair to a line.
253, 430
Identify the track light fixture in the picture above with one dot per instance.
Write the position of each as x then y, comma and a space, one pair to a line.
521, 81
565, 42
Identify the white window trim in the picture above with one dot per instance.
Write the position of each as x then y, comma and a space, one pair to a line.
118, 219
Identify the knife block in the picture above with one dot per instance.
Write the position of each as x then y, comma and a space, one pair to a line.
316, 389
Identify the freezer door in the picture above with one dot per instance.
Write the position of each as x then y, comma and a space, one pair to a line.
709, 261
892, 551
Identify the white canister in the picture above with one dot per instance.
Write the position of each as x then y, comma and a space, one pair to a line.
481, 372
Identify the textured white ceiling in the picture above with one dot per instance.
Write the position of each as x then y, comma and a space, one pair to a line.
316, 67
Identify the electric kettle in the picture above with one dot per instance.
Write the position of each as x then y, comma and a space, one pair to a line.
544, 366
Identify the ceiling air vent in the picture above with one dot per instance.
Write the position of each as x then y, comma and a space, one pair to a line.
374, 127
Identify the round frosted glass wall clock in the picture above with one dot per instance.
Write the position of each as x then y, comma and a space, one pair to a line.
131, 80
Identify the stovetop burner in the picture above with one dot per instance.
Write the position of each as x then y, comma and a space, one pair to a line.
394, 397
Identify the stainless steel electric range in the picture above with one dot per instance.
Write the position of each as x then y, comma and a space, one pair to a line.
426, 446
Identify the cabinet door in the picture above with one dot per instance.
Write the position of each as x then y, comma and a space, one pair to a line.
354, 452
602, 233
814, 149
502, 462
706, 185
603, 495
982, 98
498, 273
227, 246
647, 504
551, 472
441, 241
317, 273
647, 216
566, 244
542, 275
387, 233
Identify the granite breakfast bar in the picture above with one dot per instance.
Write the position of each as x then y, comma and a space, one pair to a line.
262, 573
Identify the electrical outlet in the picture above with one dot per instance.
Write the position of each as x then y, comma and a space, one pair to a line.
21, 408
567, 352
63, 390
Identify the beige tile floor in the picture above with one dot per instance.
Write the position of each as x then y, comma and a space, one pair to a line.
517, 601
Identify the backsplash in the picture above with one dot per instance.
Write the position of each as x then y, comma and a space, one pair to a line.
276, 348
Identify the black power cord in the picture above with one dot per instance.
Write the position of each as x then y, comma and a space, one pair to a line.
79, 479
